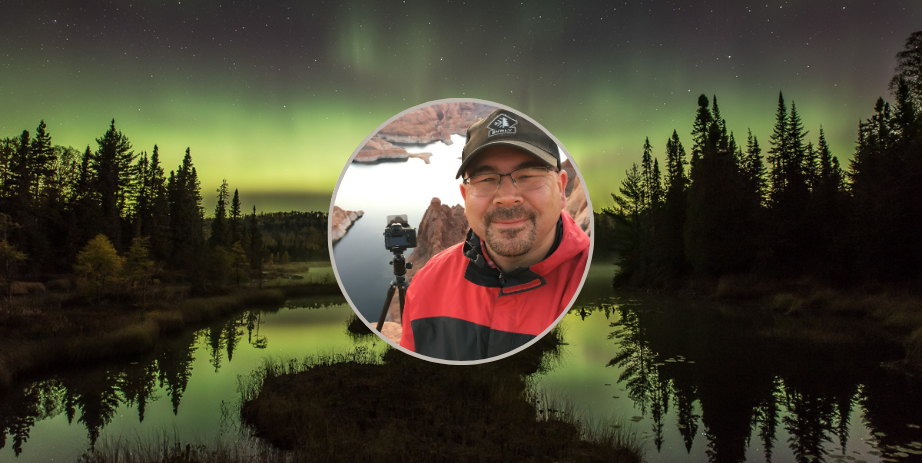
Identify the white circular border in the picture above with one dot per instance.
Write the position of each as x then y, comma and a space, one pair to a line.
434, 359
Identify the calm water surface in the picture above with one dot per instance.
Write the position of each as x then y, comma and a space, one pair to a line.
188, 386
702, 382
693, 381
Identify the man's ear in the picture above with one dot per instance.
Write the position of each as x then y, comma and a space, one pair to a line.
562, 184
463, 191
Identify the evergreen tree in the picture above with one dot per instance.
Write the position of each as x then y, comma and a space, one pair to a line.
674, 208
754, 169
715, 235
700, 131
779, 153
41, 159
185, 212
257, 250
21, 172
141, 211
219, 231
112, 165
627, 242
157, 225
909, 68
234, 222
649, 183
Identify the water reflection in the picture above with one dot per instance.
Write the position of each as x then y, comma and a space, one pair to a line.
748, 387
93, 397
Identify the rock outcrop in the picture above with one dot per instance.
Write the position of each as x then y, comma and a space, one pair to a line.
341, 220
577, 205
377, 150
434, 123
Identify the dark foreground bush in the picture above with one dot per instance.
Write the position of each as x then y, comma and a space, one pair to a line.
360, 407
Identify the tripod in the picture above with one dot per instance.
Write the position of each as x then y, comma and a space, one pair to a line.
399, 283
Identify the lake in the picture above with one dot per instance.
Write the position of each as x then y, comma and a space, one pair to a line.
692, 380
382, 189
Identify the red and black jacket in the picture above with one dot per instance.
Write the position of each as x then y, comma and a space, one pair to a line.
460, 307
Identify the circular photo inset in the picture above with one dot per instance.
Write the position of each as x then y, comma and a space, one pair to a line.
460, 231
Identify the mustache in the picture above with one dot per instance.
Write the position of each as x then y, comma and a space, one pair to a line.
509, 213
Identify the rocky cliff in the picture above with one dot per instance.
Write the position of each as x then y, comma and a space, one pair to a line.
341, 220
434, 123
377, 150
577, 205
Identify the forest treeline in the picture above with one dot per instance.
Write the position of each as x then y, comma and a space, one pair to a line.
63, 211
792, 211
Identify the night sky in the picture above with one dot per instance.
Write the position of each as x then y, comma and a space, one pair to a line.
276, 96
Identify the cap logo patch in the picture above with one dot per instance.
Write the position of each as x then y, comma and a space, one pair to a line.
502, 125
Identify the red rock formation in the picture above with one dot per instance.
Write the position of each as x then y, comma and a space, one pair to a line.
380, 150
434, 123
577, 205
441, 228
341, 220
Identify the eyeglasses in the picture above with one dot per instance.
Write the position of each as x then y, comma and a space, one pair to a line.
525, 179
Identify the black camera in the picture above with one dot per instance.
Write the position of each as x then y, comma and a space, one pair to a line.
398, 234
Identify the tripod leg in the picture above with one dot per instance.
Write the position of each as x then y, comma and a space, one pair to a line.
387, 304
402, 294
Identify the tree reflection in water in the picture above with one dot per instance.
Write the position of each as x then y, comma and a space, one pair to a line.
751, 385
92, 396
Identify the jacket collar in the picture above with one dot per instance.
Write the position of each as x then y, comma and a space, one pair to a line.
569, 241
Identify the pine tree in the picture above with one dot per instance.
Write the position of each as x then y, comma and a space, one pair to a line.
158, 219
627, 241
41, 159
753, 170
779, 153
700, 131
909, 68
140, 213
234, 222
185, 198
219, 232
715, 232
112, 165
257, 249
21, 171
674, 208
648, 184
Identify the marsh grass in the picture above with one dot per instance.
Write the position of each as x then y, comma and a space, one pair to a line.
608, 432
364, 406
914, 348
171, 449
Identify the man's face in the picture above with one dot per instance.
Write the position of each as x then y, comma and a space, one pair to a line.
514, 223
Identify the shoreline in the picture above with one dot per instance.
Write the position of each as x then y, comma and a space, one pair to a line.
96, 338
892, 312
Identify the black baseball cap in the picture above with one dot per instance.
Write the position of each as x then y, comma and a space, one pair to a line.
504, 127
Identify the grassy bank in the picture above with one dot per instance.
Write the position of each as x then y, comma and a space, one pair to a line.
810, 305
63, 330
362, 407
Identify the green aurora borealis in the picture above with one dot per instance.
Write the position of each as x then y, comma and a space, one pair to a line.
275, 97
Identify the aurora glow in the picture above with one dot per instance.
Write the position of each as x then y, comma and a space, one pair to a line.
275, 97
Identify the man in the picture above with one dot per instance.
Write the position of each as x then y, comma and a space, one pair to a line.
523, 258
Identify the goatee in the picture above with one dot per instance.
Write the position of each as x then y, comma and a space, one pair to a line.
511, 242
